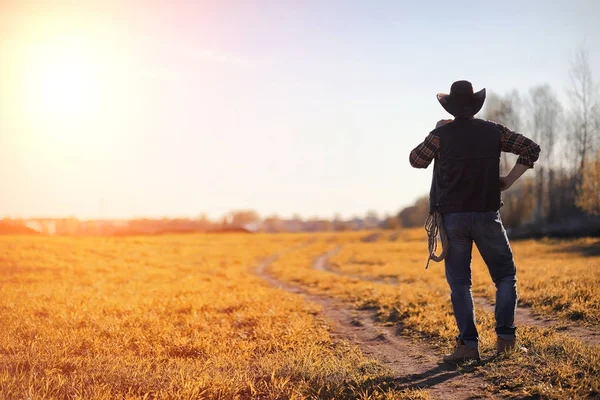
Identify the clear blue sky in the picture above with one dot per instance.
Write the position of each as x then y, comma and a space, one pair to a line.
309, 107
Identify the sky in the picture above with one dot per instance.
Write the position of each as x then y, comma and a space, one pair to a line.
177, 108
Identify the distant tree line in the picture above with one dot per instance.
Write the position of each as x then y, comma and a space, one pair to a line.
562, 194
234, 221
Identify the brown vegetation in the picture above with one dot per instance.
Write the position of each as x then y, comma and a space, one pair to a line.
184, 316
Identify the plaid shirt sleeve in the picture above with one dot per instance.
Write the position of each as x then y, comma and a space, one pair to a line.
423, 154
512, 142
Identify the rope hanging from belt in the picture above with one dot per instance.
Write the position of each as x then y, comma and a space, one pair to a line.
434, 225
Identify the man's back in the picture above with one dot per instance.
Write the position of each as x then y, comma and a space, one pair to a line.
469, 161
466, 170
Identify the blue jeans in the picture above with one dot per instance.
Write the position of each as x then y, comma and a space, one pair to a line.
487, 231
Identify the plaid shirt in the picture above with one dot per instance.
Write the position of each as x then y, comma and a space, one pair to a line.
510, 142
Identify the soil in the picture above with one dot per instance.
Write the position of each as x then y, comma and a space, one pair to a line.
524, 315
413, 363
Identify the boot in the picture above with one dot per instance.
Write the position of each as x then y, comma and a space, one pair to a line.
506, 345
462, 353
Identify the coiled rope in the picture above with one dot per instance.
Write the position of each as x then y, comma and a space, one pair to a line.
434, 225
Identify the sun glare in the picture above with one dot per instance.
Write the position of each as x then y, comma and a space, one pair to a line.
70, 85
65, 83
62, 80
66, 86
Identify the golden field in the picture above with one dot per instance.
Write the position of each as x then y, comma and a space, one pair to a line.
186, 316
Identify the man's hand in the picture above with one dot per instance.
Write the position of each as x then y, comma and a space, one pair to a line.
514, 174
442, 122
505, 183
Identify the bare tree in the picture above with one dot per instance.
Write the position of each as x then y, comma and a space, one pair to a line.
588, 193
544, 117
505, 110
371, 219
416, 214
242, 218
584, 107
273, 224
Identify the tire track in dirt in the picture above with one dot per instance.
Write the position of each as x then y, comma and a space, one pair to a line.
523, 315
414, 365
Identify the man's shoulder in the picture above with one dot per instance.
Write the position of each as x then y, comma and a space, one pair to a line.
478, 123
490, 125
482, 121
464, 124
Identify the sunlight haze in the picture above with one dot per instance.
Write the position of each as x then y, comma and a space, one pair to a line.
181, 108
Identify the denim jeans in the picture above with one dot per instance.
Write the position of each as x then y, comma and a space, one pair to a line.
487, 231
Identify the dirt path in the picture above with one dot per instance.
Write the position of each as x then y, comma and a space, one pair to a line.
414, 364
523, 316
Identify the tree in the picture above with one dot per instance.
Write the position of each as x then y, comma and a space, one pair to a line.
390, 222
371, 219
506, 111
240, 219
544, 114
584, 108
588, 192
273, 224
416, 214
519, 203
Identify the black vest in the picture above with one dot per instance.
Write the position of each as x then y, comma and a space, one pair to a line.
467, 169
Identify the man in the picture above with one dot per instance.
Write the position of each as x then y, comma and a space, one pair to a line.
466, 190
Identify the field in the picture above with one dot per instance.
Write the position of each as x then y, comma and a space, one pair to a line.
329, 315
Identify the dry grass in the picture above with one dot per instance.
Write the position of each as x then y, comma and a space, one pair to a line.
167, 317
560, 278
556, 366
185, 317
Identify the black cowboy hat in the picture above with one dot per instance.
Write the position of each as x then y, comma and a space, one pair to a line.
462, 102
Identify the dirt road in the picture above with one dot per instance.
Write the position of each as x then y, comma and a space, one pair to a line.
524, 315
414, 364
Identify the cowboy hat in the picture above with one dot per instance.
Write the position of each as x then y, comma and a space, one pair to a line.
462, 102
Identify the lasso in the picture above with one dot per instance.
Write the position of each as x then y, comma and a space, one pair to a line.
434, 225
